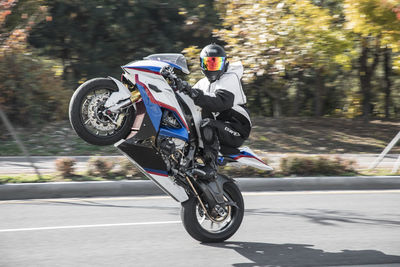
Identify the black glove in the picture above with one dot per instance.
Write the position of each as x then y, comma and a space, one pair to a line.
184, 87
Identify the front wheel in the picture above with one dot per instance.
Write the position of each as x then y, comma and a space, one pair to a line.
89, 119
219, 228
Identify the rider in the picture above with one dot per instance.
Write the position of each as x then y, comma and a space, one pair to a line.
226, 120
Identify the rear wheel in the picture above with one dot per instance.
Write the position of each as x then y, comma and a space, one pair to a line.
219, 228
89, 119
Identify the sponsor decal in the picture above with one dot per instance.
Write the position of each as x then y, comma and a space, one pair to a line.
232, 132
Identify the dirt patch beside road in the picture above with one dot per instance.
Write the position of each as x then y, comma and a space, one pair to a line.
284, 135
322, 135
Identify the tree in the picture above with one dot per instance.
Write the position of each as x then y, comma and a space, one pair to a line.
16, 21
279, 40
30, 92
377, 25
94, 39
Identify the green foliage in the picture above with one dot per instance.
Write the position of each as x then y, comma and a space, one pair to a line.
374, 18
65, 166
93, 39
300, 57
303, 166
273, 38
282, 44
30, 93
27, 178
100, 166
16, 21
192, 56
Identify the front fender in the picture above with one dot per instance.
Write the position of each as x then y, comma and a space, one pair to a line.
213, 191
123, 93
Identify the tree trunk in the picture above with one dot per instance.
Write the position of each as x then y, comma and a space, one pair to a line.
319, 93
276, 102
365, 73
295, 111
296, 105
388, 83
277, 108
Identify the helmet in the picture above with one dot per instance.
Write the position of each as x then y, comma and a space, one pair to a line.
213, 62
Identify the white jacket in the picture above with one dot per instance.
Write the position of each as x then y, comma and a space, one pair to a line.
230, 82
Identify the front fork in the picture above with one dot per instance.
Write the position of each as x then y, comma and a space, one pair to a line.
118, 100
212, 194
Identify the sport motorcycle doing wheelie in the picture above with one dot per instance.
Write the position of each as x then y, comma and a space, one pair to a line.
157, 128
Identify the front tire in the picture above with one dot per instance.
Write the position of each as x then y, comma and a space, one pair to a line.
86, 114
198, 226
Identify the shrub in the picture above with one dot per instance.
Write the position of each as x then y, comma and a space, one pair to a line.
100, 166
128, 169
316, 166
244, 171
65, 166
31, 92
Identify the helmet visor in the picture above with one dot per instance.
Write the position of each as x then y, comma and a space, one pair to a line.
212, 63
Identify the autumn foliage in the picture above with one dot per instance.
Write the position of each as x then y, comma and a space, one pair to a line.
301, 57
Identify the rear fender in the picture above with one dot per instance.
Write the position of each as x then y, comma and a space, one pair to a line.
247, 157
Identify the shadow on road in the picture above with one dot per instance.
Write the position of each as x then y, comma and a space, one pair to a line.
285, 255
327, 217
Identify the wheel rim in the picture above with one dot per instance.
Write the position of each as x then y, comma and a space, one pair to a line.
93, 118
218, 224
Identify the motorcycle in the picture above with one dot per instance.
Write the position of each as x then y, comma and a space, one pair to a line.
157, 128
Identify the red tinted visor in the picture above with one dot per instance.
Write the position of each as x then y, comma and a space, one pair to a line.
212, 63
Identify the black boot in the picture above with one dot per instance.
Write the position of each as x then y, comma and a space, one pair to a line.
211, 148
210, 161
211, 172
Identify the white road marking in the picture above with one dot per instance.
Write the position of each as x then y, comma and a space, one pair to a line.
333, 192
264, 193
81, 199
166, 197
85, 226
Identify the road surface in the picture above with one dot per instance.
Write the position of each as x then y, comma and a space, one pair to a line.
331, 228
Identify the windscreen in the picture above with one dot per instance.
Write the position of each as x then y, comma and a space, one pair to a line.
175, 60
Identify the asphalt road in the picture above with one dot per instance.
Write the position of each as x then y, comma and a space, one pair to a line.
330, 228
16, 165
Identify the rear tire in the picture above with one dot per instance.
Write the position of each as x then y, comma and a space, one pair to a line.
190, 212
85, 125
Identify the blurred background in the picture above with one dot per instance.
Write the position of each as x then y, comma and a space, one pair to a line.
321, 76
322, 79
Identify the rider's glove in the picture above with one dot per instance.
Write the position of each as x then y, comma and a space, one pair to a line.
184, 87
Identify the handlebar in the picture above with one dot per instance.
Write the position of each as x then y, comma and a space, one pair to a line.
168, 73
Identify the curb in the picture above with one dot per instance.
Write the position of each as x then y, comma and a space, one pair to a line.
148, 188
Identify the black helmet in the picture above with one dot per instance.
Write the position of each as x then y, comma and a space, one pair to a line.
213, 61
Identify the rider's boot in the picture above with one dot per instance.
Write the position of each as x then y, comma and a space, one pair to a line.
211, 147
210, 161
210, 169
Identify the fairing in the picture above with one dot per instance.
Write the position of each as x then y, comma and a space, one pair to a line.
150, 163
158, 96
156, 93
